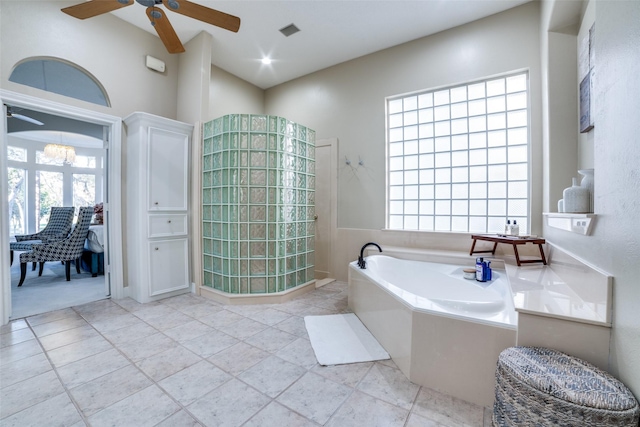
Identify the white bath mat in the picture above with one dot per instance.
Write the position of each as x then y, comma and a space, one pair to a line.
342, 338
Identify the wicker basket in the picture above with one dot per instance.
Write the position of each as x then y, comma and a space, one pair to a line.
543, 387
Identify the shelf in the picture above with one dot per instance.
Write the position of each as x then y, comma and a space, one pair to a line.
580, 223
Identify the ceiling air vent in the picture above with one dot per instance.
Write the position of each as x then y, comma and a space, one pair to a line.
289, 30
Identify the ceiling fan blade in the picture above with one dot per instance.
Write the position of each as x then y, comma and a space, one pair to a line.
95, 7
204, 14
26, 119
164, 29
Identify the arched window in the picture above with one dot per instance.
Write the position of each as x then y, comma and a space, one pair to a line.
61, 77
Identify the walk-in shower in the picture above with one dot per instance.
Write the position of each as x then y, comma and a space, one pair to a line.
258, 195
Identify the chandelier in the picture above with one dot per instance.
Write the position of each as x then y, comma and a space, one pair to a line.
66, 153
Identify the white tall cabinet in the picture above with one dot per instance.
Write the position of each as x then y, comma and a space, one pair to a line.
157, 208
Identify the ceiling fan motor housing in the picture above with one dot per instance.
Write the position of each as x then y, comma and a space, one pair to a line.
149, 3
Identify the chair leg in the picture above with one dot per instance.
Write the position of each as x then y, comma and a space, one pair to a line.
11, 263
77, 261
23, 272
34, 266
41, 268
67, 270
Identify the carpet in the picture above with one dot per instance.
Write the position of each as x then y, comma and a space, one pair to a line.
339, 339
51, 291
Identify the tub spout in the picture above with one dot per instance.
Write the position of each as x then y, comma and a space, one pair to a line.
361, 262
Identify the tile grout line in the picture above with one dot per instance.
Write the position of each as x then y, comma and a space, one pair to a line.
274, 399
354, 389
413, 405
153, 382
202, 359
55, 371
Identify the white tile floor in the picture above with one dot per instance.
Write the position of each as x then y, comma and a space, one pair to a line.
188, 361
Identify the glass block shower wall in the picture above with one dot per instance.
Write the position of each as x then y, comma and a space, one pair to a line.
258, 204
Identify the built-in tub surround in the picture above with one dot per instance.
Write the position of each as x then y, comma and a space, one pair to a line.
258, 205
443, 331
565, 305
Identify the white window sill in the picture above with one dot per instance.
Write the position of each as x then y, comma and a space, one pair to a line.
580, 223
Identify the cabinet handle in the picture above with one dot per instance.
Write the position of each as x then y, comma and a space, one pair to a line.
157, 249
155, 203
169, 221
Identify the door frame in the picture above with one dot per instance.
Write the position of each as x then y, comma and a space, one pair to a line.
333, 198
113, 209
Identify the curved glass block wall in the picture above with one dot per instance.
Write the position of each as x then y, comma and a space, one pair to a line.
258, 204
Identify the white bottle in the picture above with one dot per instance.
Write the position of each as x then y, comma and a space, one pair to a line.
507, 228
515, 229
576, 198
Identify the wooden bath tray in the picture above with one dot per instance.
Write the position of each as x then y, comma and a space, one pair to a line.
510, 240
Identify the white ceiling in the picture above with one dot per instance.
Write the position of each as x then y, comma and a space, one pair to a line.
331, 32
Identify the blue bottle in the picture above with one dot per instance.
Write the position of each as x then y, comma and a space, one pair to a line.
487, 271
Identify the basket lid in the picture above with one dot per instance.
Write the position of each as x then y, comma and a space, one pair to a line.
568, 378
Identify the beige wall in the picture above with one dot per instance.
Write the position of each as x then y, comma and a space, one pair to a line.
229, 94
614, 245
193, 79
347, 101
585, 140
562, 115
107, 47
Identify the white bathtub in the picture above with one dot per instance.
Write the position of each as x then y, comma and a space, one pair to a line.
443, 331
441, 289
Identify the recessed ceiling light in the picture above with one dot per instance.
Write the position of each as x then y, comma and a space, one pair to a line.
266, 61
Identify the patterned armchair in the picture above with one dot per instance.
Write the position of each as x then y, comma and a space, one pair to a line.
58, 227
66, 250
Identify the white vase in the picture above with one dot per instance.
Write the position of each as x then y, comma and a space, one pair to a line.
587, 182
576, 198
560, 206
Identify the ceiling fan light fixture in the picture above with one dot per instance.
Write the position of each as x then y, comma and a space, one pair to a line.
266, 61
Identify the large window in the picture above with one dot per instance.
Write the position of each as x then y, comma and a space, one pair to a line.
458, 157
49, 192
17, 205
36, 183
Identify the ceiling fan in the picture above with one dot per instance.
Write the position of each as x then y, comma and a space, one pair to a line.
157, 16
12, 114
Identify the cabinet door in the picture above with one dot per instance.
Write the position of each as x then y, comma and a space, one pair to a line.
167, 170
168, 266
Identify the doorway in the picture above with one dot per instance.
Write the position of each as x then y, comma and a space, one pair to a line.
50, 165
113, 274
326, 208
